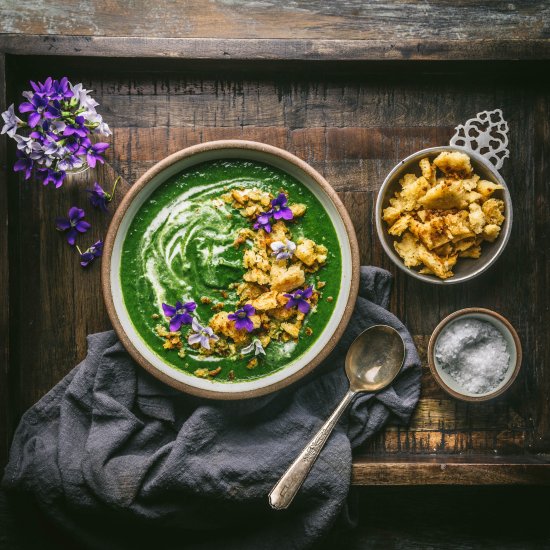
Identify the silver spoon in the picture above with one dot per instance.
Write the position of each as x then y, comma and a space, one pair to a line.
373, 361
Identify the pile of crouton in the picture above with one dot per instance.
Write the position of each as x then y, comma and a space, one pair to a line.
444, 214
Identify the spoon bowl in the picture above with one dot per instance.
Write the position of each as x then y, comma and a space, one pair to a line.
374, 359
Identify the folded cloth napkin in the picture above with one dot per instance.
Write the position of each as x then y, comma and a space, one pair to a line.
120, 460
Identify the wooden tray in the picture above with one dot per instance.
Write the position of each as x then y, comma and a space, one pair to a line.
352, 116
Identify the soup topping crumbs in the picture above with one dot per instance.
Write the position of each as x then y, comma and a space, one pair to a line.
272, 297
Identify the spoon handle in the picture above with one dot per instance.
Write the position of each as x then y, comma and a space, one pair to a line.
286, 488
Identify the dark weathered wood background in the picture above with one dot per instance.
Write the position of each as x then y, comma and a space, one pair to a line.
352, 119
353, 125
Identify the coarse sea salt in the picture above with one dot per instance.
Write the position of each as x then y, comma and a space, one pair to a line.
474, 354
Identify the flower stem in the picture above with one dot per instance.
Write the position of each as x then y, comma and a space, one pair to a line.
79, 251
114, 188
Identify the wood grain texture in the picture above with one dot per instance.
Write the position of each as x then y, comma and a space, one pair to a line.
472, 470
352, 124
462, 20
501, 47
5, 410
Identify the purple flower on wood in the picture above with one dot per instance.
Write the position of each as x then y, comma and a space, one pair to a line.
93, 151
42, 90
179, 314
39, 107
280, 209
52, 176
298, 299
74, 224
70, 162
60, 89
201, 335
24, 163
78, 128
11, 122
263, 221
27, 145
91, 253
241, 317
99, 197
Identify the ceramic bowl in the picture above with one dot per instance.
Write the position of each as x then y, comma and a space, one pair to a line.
138, 195
466, 268
512, 342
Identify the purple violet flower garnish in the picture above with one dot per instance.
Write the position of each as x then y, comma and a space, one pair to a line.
74, 224
93, 151
11, 122
280, 208
241, 317
298, 299
263, 221
283, 250
91, 253
179, 314
201, 335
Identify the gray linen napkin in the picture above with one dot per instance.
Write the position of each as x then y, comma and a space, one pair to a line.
120, 460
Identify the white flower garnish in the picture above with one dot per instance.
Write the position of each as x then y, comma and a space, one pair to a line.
283, 250
255, 346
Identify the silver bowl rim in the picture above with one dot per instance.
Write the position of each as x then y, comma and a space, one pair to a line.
381, 230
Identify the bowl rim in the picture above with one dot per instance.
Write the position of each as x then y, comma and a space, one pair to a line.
143, 181
460, 313
381, 230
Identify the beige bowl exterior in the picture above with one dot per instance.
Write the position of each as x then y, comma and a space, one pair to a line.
513, 342
466, 268
226, 149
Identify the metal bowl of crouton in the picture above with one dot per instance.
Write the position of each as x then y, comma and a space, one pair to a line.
144, 345
444, 215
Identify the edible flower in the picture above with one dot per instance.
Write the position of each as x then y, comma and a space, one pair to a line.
242, 318
93, 151
283, 250
263, 221
11, 122
201, 335
99, 197
179, 314
56, 130
280, 208
74, 223
78, 128
23, 163
52, 176
39, 106
298, 299
255, 346
91, 253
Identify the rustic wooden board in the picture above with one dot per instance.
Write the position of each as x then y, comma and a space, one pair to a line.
461, 20
352, 123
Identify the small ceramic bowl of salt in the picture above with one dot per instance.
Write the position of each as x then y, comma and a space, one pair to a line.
474, 354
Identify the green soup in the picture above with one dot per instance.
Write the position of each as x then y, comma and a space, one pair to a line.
180, 246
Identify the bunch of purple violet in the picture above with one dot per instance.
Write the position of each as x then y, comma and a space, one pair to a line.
57, 135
